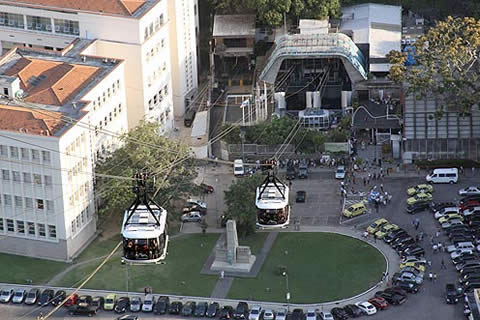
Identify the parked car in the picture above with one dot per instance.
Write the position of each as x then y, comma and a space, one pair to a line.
238, 168
212, 310
375, 226
450, 217
82, 310
445, 211
98, 302
135, 304
84, 299
340, 172
394, 235
192, 216
423, 196
148, 303
385, 229
414, 259
58, 297
268, 314
396, 290
46, 297
379, 303
410, 287
110, 301
460, 252
127, 317
32, 296
436, 206
325, 315
447, 225
355, 209
201, 309
417, 207
419, 266
188, 308
367, 308
421, 188
226, 313
392, 298
281, 314
297, 314
72, 300
311, 315
301, 196
123, 303
353, 311
241, 311
339, 314
451, 293
469, 191
291, 172
162, 305
175, 307
255, 313
6, 295
407, 276
303, 170
19, 295
196, 202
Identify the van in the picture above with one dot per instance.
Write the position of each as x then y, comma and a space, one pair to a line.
445, 175
238, 168
189, 117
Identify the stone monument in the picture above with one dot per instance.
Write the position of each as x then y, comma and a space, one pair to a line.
229, 256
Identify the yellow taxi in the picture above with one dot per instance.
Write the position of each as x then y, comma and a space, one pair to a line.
386, 229
374, 227
354, 210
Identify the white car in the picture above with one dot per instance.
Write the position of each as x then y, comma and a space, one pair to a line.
325, 315
460, 252
451, 223
196, 202
461, 245
281, 314
268, 314
148, 303
469, 191
414, 259
471, 211
446, 211
340, 173
6, 295
193, 216
367, 307
19, 296
238, 168
255, 313
311, 315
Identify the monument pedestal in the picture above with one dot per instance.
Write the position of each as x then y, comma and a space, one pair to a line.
237, 267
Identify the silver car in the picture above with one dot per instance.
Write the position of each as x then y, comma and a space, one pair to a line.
19, 296
6, 294
281, 314
135, 304
32, 296
148, 303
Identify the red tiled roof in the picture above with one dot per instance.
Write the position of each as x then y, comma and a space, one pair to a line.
51, 82
30, 121
117, 7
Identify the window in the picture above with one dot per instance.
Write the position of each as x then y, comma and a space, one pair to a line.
1, 225
37, 178
77, 220
83, 216
41, 230
7, 199
10, 226
163, 43
104, 97
3, 151
29, 203
150, 28
25, 154
52, 231
39, 204
16, 176
73, 226
27, 177
18, 201
109, 92
20, 227
5, 174
47, 180
35, 155
66, 27
146, 33
31, 228
162, 20
46, 156
39, 23
11, 20
50, 205
14, 152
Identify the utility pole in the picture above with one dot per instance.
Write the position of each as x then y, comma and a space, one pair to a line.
285, 22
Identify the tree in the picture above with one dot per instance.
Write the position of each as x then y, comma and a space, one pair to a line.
240, 201
271, 12
448, 64
315, 9
145, 150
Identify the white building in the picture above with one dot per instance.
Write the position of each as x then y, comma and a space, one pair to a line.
135, 31
379, 26
57, 113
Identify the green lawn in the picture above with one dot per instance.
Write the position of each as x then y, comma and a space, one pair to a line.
321, 267
16, 269
99, 248
180, 275
254, 241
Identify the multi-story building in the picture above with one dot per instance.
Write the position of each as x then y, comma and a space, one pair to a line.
134, 31
58, 112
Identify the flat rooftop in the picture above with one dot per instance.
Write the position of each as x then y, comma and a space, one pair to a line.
234, 25
126, 8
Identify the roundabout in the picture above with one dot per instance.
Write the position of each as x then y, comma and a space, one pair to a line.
314, 267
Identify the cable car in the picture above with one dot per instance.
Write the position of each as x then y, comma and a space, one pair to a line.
272, 203
144, 228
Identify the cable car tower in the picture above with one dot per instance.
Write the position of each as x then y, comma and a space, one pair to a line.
272, 201
144, 227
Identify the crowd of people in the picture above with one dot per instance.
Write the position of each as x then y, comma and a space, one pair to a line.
141, 249
273, 217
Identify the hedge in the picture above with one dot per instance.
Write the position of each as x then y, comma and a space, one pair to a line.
447, 163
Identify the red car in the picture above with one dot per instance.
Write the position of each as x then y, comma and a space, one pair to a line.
72, 300
379, 303
206, 188
469, 204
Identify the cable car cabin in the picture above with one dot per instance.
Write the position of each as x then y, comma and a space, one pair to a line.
272, 203
144, 239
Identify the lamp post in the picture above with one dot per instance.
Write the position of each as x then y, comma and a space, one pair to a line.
242, 136
287, 287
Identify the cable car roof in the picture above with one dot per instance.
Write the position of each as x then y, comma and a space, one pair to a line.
272, 197
142, 224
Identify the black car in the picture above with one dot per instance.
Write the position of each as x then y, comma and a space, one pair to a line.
417, 207
353, 311
122, 305
416, 251
451, 293
460, 233
127, 317
175, 307
189, 308
440, 205
339, 314
97, 302
46, 297
212, 310
301, 196
58, 297
407, 244
82, 310
465, 258
85, 300
471, 277
392, 298
291, 173
201, 309
162, 305
401, 239
394, 235
297, 314
241, 311
409, 287
396, 290
226, 313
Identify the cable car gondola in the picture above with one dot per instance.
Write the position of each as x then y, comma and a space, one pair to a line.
272, 203
144, 228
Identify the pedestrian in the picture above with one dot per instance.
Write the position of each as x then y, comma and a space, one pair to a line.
461, 169
376, 206
431, 240
368, 179
290, 184
440, 246
416, 225
434, 276
381, 187
443, 264
375, 238
429, 262
364, 181
473, 171
353, 178
437, 233
435, 248
430, 276
365, 235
